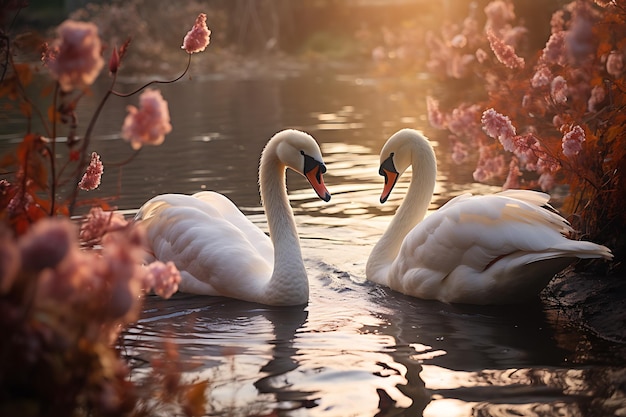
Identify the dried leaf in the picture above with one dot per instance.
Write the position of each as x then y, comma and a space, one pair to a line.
194, 399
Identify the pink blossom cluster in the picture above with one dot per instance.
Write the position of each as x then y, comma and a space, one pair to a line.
462, 122
456, 49
566, 81
461, 46
108, 283
162, 278
150, 123
499, 14
542, 77
559, 90
512, 178
436, 117
504, 52
555, 52
490, 164
499, 126
460, 152
101, 226
93, 174
74, 59
197, 39
615, 64
446, 58
73, 282
596, 98
98, 222
572, 141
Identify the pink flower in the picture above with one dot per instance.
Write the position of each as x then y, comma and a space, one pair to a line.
546, 181
99, 222
498, 13
464, 119
499, 127
490, 164
557, 22
435, 117
458, 41
559, 90
512, 179
554, 51
460, 152
47, 243
74, 59
505, 53
615, 64
458, 65
542, 77
197, 39
120, 273
163, 278
150, 123
572, 141
93, 174
596, 98
481, 55
545, 162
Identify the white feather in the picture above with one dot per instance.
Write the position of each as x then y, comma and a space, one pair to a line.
221, 252
492, 249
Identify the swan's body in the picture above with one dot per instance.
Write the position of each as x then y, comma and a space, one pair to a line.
219, 251
492, 249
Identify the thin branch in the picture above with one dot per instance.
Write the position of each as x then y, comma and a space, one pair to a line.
116, 93
82, 165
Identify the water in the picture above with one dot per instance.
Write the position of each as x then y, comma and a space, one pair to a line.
356, 349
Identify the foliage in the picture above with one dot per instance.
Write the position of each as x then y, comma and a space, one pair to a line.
67, 290
550, 119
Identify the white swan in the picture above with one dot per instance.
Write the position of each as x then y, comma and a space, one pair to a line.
220, 252
493, 249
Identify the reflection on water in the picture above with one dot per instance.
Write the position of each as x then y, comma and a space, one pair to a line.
356, 349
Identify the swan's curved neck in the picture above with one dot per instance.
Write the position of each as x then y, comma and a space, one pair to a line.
409, 213
289, 278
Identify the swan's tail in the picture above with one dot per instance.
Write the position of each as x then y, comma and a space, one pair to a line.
584, 250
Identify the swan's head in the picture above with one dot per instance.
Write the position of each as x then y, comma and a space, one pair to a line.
398, 154
300, 152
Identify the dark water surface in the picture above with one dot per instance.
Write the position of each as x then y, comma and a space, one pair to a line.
356, 349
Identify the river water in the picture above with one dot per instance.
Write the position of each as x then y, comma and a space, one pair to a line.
356, 349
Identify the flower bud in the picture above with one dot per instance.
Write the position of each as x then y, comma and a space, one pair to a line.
114, 61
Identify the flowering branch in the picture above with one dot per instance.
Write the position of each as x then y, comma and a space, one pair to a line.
560, 119
66, 302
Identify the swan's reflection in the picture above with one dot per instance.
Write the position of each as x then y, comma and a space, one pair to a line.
244, 350
484, 361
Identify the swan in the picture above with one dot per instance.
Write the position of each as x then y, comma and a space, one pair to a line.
219, 251
492, 249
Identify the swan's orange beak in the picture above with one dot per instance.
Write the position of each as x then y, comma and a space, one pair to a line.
388, 170
313, 171
317, 182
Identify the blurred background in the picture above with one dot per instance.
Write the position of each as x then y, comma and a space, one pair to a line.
316, 30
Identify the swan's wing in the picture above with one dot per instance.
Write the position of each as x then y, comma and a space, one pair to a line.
535, 198
232, 214
531, 197
470, 239
216, 248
